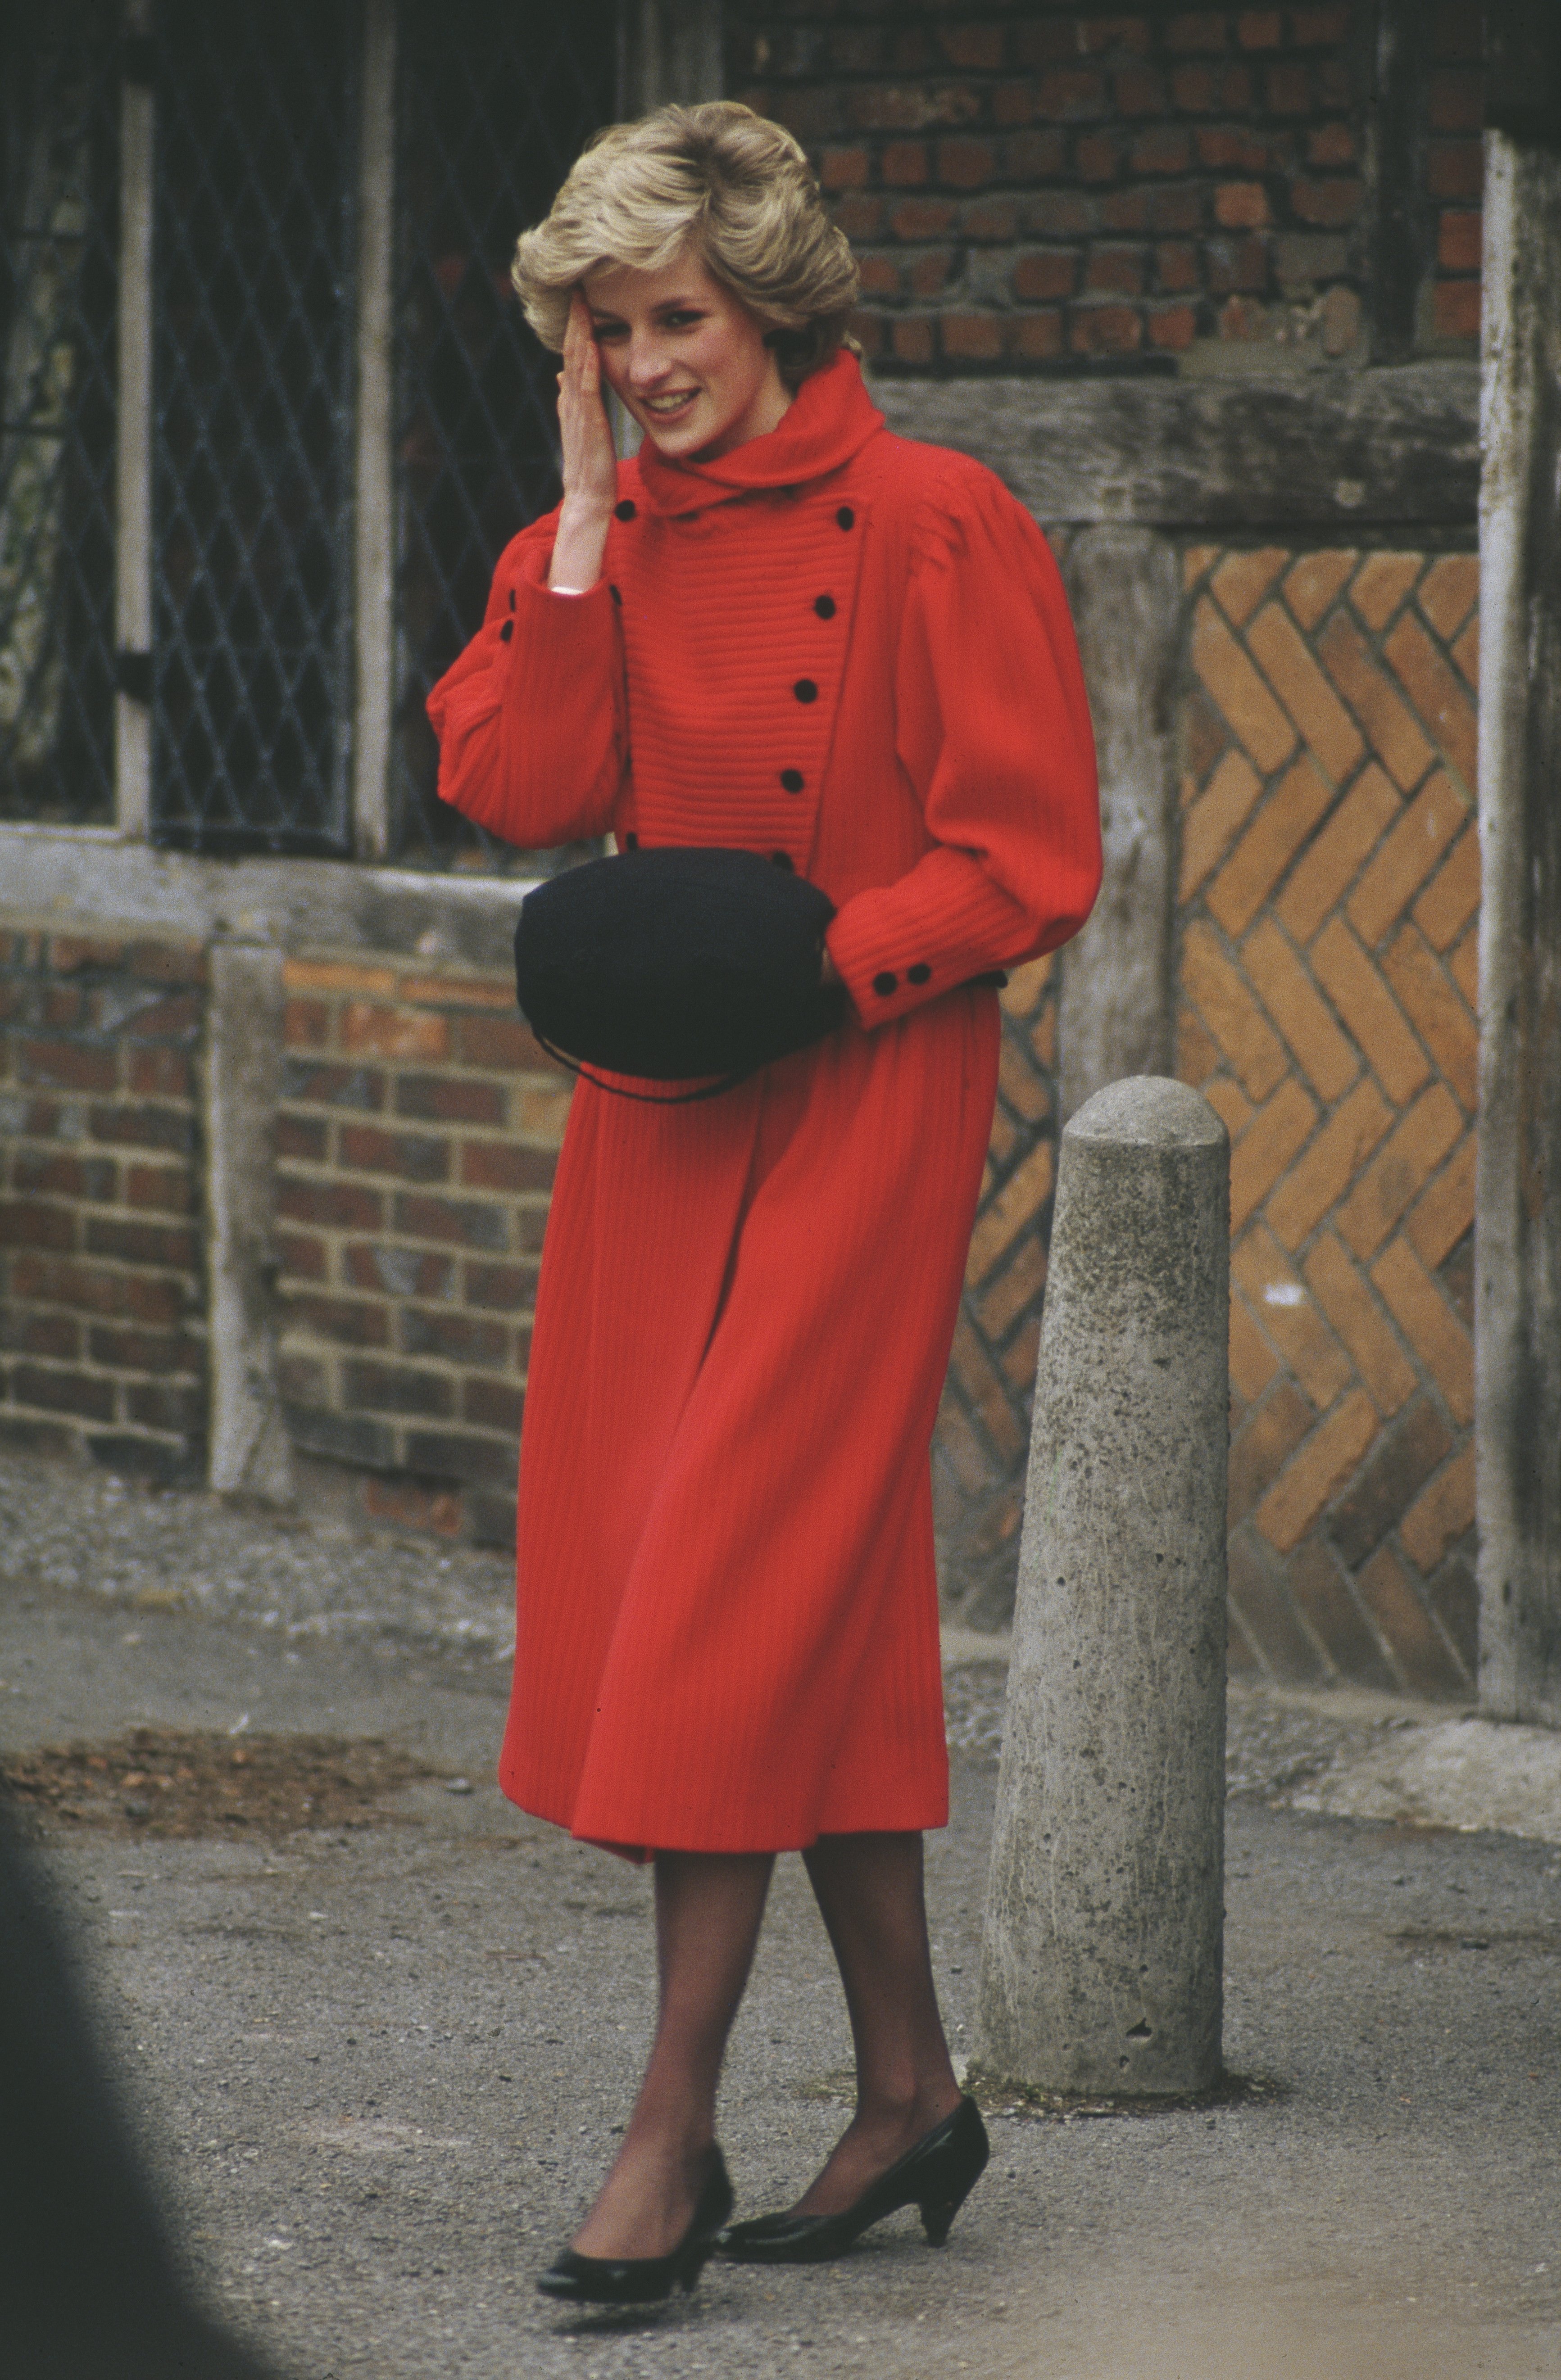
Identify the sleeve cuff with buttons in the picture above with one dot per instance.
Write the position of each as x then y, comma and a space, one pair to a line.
897, 946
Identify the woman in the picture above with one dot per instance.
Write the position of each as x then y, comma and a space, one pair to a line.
784, 630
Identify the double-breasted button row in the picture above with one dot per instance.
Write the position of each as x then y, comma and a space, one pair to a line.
888, 981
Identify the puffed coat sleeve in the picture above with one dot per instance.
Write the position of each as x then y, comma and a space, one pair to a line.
530, 720
994, 732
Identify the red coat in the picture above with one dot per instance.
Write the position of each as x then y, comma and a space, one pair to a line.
840, 647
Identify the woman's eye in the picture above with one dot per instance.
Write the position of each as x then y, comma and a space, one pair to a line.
680, 320
606, 333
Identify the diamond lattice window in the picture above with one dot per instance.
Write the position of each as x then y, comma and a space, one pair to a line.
59, 93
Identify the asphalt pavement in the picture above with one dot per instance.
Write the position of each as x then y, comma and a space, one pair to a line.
379, 2066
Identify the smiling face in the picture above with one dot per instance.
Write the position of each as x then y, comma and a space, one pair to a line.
686, 357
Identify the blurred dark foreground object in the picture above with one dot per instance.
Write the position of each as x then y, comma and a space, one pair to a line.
89, 2286
676, 963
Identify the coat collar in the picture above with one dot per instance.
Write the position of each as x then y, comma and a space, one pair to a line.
827, 420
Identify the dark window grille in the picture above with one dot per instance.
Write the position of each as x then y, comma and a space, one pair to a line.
497, 97
253, 464
59, 103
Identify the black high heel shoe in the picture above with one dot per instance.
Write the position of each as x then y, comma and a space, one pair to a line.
936, 2177
644, 2280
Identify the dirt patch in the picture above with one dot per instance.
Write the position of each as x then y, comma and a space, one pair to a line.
161, 1781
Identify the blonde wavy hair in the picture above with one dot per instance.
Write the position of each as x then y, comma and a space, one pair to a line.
731, 184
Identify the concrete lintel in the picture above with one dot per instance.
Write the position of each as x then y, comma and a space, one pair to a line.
65, 879
1322, 451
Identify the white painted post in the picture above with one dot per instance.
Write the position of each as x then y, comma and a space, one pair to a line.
374, 490
132, 604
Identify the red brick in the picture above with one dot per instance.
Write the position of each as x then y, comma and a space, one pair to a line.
1268, 1616
143, 1243
965, 164
926, 219
980, 46
1419, 1652
989, 219
859, 218
54, 1335
73, 1392
160, 1189
1098, 156
350, 1321
179, 1014
1105, 330
49, 1172
301, 1255
1258, 28
335, 1087
508, 1289
1454, 169
414, 1156
1331, 144
63, 1004
1046, 272
1172, 326
66, 953
1126, 211
1455, 309
506, 1165
458, 1338
931, 273
31, 1223
398, 1272
904, 163
158, 1074
1206, 29
914, 340
1458, 242
843, 169
91, 1290
1454, 101
1038, 335
306, 1024
505, 1044
158, 1352
880, 276
1162, 149
329, 1206
396, 1389
493, 1404
1140, 91
469, 1222
1234, 266
1175, 265
1013, 102
1329, 203
1229, 148
154, 1405
443, 1098
305, 1137
1118, 270
1240, 206
974, 338
67, 1065
1039, 42
1096, 33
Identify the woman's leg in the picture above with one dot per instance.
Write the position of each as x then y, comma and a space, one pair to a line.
869, 1892
709, 1905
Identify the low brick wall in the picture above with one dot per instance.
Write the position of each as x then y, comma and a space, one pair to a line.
102, 1330
416, 1146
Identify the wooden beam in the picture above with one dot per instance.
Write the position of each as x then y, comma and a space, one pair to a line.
1331, 451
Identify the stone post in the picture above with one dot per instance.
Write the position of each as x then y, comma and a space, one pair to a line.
1101, 1962
249, 1449
1518, 1196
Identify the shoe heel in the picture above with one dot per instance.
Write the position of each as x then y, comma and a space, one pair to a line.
937, 2218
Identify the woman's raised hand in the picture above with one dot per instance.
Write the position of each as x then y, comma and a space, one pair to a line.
591, 472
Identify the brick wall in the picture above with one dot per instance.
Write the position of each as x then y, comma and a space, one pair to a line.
982, 1438
1329, 892
102, 1331
1048, 186
416, 1148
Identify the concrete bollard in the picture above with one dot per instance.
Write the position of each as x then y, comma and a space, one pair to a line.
1101, 1956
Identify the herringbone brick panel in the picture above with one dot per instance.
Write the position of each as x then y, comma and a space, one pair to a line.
983, 1438
1327, 914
